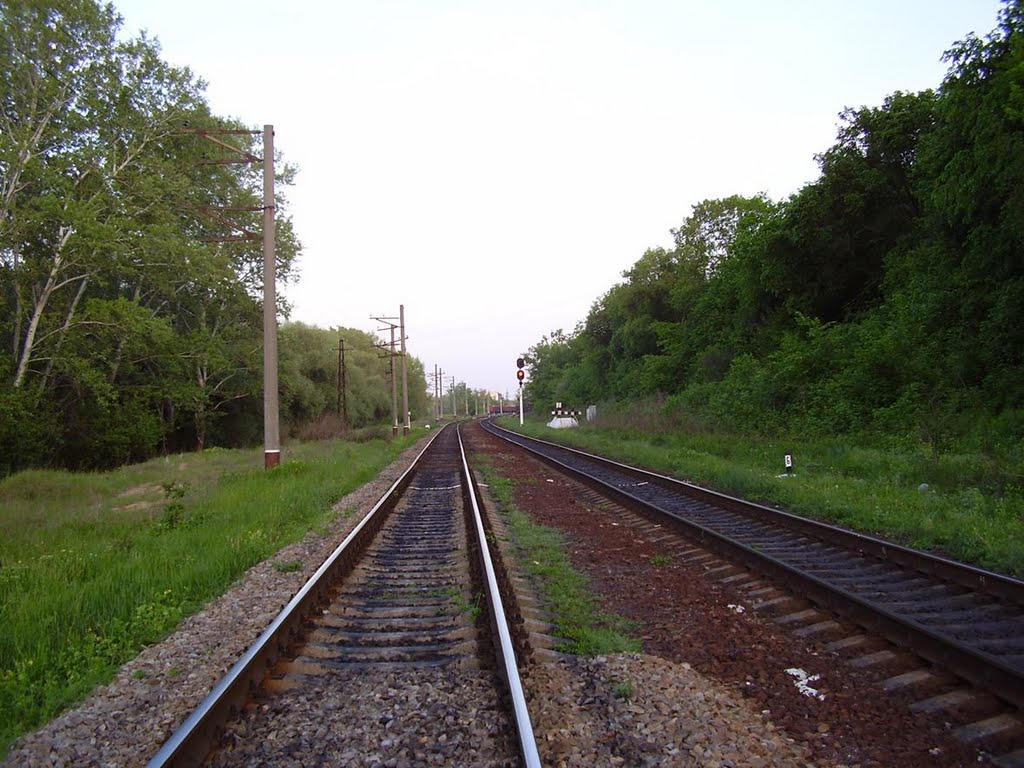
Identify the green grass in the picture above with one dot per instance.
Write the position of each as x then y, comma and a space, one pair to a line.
95, 566
542, 551
624, 690
972, 510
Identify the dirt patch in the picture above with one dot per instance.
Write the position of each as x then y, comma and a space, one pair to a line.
136, 505
139, 490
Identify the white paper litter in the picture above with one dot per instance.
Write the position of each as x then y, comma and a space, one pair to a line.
803, 681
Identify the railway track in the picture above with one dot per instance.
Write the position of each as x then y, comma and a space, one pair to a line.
404, 622
960, 619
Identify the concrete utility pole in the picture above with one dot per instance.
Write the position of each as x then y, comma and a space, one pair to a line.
271, 435
407, 426
455, 405
231, 154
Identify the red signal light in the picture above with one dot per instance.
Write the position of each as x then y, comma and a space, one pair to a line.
520, 374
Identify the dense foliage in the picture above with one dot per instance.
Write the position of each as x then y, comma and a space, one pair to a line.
130, 256
885, 297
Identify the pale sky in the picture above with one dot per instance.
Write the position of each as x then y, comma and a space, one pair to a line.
496, 166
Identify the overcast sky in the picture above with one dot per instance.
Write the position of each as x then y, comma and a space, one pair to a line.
495, 166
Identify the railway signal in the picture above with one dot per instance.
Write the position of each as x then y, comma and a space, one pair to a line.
520, 374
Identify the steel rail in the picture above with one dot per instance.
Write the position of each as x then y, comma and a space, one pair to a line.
993, 674
527, 741
190, 743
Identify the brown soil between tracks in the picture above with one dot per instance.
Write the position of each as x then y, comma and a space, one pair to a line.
684, 616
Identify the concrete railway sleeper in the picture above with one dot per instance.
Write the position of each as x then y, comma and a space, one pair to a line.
409, 602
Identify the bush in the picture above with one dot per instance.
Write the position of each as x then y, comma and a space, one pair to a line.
101, 437
740, 400
326, 426
29, 433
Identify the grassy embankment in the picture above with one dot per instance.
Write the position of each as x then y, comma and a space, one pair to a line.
95, 566
972, 509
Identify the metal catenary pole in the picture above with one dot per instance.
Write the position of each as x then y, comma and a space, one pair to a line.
407, 424
394, 384
440, 393
342, 388
387, 321
271, 435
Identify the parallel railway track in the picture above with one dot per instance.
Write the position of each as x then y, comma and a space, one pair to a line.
411, 589
960, 618
402, 595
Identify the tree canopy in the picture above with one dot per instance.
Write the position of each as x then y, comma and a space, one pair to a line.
130, 294
886, 296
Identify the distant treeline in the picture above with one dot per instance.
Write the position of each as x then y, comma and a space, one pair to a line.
130, 283
309, 379
887, 297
